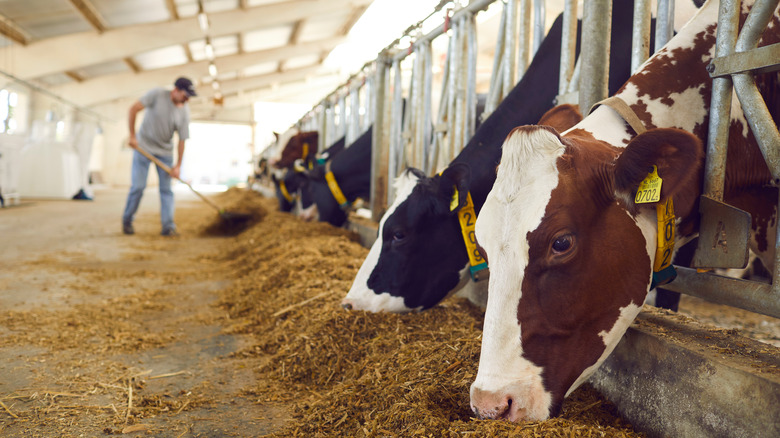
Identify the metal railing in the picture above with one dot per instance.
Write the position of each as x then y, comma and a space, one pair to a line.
427, 141
737, 59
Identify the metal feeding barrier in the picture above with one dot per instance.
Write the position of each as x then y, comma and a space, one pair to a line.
724, 229
406, 132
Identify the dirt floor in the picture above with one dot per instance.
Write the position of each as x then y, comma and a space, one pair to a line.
208, 335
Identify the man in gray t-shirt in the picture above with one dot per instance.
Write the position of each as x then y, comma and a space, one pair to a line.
166, 112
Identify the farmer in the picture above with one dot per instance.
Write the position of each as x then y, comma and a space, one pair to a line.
166, 111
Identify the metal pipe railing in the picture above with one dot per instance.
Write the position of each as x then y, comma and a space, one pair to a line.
596, 30
748, 295
640, 37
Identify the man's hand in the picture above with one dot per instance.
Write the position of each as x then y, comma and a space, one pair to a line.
133, 142
175, 171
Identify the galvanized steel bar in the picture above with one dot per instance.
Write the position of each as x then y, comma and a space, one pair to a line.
456, 140
416, 113
323, 125
596, 30
474, 6
510, 44
540, 16
523, 43
640, 36
756, 112
368, 103
353, 127
568, 45
380, 85
471, 77
495, 74
452, 105
749, 295
396, 128
664, 23
720, 105
760, 120
427, 53
342, 125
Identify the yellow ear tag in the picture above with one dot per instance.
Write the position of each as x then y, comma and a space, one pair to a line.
649, 189
454, 201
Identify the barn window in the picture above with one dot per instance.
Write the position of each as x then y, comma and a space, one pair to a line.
8, 103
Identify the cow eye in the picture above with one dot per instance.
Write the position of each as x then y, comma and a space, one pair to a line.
562, 244
398, 236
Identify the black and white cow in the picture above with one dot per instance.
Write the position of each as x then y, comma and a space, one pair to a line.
290, 181
419, 256
351, 170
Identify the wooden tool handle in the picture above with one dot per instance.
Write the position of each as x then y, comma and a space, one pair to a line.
168, 170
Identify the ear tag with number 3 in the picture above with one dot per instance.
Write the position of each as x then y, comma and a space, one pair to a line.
649, 189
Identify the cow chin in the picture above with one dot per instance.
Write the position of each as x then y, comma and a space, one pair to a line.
525, 400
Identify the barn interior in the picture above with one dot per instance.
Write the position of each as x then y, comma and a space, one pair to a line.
222, 331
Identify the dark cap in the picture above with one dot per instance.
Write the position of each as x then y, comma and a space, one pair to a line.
185, 85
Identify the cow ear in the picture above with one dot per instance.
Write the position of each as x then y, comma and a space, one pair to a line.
457, 175
677, 155
561, 117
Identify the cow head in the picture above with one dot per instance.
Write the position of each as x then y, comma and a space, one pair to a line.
570, 259
302, 145
419, 254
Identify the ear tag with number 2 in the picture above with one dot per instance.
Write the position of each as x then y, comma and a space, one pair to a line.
649, 189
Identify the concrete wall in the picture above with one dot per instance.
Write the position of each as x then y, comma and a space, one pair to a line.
673, 377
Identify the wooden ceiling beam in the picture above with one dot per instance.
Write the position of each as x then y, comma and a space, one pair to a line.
353, 18
132, 65
13, 32
91, 14
103, 88
171, 5
118, 43
295, 35
75, 76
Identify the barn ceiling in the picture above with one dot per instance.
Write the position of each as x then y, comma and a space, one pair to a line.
91, 52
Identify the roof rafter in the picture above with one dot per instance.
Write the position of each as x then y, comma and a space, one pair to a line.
353, 18
131, 64
91, 14
295, 35
171, 5
12, 31
115, 44
103, 88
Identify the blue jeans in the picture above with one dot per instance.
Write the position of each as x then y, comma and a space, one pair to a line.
140, 171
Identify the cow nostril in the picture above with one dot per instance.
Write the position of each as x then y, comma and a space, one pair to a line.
506, 414
347, 306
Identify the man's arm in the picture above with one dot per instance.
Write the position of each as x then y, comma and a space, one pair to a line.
134, 110
177, 166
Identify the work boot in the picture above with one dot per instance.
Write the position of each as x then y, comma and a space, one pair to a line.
169, 232
127, 228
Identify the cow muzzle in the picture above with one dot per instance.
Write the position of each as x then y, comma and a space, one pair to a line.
518, 402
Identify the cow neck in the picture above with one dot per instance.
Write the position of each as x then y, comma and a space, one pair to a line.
335, 190
663, 270
285, 192
467, 219
621, 107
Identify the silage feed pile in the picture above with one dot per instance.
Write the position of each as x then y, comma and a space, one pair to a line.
350, 373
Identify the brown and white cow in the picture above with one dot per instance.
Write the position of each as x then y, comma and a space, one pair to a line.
571, 254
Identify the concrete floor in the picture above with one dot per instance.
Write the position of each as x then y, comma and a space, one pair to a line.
61, 257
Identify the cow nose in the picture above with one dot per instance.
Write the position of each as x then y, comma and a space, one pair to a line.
346, 305
489, 405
